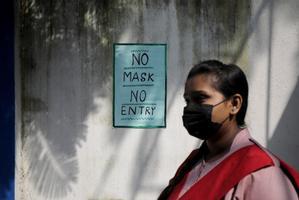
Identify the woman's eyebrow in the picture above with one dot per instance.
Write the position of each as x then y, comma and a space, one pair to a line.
196, 93
199, 92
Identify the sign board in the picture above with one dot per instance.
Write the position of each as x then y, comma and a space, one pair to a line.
139, 98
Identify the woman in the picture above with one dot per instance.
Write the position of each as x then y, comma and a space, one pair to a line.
229, 164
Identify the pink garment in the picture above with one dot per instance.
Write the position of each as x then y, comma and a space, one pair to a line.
268, 183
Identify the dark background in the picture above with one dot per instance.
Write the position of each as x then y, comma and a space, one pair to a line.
7, 145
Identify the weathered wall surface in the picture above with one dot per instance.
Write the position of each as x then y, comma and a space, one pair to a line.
66, 146
274, 48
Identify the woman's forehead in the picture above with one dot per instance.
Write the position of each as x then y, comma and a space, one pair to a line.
202, 82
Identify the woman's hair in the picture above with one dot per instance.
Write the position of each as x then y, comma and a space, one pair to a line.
229, 80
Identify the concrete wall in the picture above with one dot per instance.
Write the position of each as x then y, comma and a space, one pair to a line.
66, 146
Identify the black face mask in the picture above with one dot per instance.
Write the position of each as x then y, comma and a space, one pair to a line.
197, 119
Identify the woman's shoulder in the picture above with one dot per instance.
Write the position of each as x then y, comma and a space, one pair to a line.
270, 182
266, 183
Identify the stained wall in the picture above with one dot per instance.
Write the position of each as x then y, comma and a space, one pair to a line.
66, 146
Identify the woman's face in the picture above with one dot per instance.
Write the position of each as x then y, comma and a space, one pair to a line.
199, 89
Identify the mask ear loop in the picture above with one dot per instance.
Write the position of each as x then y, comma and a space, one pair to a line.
221, 103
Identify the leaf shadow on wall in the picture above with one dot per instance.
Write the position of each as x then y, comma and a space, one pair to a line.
63, 65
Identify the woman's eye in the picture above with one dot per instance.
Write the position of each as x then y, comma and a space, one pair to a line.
199, 99
196, 97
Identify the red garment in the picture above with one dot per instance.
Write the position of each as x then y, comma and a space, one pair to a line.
291, 173
226, 175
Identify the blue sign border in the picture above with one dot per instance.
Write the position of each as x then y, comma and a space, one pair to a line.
165, 98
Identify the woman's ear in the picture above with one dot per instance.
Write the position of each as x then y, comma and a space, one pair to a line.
236, 103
